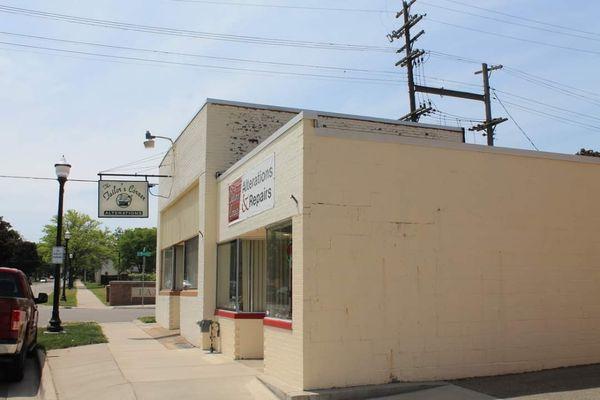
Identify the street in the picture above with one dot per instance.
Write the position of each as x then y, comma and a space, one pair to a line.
108, 314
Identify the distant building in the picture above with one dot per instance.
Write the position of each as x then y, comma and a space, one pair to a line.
348, 250
107, 268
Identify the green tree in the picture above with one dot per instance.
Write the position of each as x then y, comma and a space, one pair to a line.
26, 258
9, 240
90, 243
16, 252
129, 242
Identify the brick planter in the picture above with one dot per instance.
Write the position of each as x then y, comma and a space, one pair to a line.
123, 293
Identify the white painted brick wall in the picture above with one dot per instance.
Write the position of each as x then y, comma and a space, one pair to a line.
426, 262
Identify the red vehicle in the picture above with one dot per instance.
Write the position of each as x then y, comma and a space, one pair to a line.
18, 321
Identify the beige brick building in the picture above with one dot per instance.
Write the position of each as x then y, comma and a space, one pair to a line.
347, 250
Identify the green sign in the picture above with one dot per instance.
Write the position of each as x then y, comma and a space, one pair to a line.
144, 254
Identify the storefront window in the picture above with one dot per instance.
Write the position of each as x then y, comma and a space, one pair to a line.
167, 269
190, 268
279, 271
178, 263
227, 271
241, 267
253, 265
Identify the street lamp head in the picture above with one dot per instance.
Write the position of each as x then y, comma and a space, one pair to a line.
149, 142
62, 168
67, 235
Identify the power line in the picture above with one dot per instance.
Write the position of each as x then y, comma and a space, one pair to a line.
557, 46
140, 161
554, 116
168, 52
294, 7
246, 60
45, 179
245, 70
380, 11
510, 22
514, 121
548, 105
566, 92
453, 56
550, 81
192, 34
276, 63
523, 18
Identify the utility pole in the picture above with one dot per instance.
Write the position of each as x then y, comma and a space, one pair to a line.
410, 56
490, 123
408, 60
409, 65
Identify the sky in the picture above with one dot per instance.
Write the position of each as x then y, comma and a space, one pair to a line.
59, 97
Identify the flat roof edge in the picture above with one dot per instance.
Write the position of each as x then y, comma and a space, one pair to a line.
428, 142
331, 114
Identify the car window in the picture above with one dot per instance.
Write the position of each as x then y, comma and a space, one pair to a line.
9, 285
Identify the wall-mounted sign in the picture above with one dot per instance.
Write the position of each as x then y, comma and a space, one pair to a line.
253, 192
122, 199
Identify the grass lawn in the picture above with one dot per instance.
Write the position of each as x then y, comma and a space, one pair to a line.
99, 290
76, 334
150, 319
71, 298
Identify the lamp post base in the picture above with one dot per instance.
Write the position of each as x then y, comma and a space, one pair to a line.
54, 326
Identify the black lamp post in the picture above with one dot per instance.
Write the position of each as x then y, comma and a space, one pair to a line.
70, 286
66, 265
62, 173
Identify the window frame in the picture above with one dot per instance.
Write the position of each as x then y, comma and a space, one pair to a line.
268, 311
243, 278
194, 286
162, 268
237, 270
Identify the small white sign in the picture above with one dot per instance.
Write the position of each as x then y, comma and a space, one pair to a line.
254, 192
146, 291
58, 254
122, 199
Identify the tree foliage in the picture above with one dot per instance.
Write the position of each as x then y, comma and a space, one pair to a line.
129, 242
589, 153
90, 244
16, 252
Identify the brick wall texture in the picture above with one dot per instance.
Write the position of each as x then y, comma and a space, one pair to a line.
120, 293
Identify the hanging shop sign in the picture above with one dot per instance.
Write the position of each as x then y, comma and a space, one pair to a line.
122, 199
253, 192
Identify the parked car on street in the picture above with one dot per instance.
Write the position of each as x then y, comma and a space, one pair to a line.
43, 280
18, 321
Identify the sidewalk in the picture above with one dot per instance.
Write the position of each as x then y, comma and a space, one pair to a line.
85, 297
133, 365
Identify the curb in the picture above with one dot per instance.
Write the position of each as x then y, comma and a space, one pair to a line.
284, 392
46, 390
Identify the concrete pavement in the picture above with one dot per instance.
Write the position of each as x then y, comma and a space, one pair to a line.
86, 298
134, 365
448, 392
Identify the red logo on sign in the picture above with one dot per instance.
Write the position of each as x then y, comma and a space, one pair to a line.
235, 192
